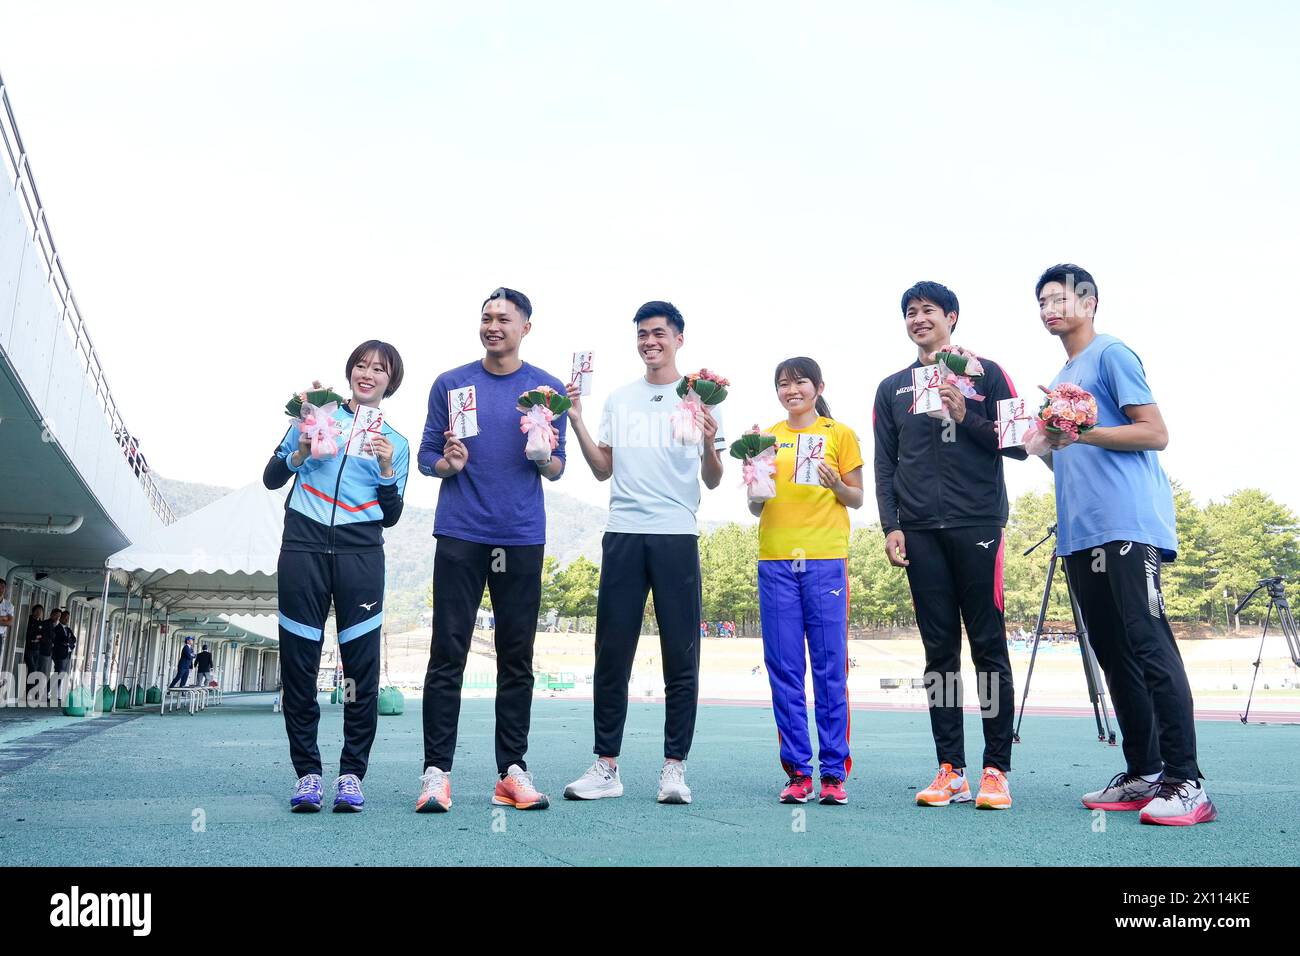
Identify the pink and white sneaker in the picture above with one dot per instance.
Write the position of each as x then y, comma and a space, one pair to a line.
832, 792
798, 790
1179, 803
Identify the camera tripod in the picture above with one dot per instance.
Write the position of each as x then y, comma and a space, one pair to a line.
1276, 599
1091, 670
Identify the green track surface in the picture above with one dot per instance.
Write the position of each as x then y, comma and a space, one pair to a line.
130, 793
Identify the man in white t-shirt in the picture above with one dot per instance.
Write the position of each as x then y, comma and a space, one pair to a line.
650, 545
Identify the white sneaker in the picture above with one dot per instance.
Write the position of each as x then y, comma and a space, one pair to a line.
435, 791
1179, 803
600, 780
672, 783
1124, 792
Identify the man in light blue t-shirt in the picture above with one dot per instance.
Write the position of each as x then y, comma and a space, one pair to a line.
1115, 523
650, 544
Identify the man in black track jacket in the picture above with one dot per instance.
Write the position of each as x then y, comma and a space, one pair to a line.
943, 505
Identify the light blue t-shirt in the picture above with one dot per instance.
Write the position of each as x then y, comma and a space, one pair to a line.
655, 488
1104, 495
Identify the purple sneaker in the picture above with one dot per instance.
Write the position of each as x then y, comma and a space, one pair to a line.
306, 798
347, 794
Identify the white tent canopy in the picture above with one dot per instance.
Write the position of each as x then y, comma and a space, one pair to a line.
219, 560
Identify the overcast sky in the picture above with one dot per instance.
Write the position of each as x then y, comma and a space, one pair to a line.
242, 192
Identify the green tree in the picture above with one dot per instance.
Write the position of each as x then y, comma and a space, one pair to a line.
729, 565
576, 586
878, 593
1190, 583
552, 594
1252, 537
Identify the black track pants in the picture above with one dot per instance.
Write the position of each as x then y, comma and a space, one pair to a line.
1118, 589
355, 584
956, 576
513, 576
632, 566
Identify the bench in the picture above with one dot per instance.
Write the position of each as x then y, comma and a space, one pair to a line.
192, 698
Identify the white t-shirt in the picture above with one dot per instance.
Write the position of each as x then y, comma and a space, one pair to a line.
656, 481
6, 610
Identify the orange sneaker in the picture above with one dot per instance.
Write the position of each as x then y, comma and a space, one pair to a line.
948, 786
516, 790
435, 792
995, 793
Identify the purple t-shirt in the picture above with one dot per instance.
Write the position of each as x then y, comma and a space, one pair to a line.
497, 497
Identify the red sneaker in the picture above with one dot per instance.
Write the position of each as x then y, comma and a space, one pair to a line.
798, 790
833, 791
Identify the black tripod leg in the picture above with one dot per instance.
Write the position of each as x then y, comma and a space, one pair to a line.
1268, 616
1033, 656
1088, 677
1091, 674
1289, 631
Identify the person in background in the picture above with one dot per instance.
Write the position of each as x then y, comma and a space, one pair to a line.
46, 663
37, 627
6, 612
183, 665
65, 642
203, 664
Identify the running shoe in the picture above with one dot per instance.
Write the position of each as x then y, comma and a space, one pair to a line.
948, 786
1179, 803
798, 790
1125, 791
672, 783
995, 792
600, 780
833, 791
516, 790
347, 794
435, 792
306, 796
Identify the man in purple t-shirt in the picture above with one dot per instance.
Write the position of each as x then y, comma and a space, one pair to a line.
491, 529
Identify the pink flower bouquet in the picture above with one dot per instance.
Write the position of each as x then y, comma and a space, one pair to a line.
696, 390
541, 406
320, 426
963, 369
758, 452
1067, 409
